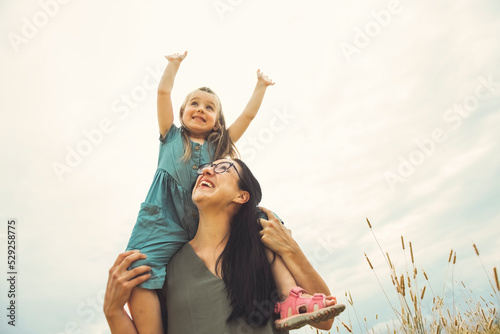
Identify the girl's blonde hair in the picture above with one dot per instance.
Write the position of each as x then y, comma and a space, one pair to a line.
219, 138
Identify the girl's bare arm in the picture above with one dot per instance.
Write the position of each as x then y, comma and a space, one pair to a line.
164, 100
239, 126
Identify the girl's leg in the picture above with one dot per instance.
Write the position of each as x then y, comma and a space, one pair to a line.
285, 282
145, 309
282, 277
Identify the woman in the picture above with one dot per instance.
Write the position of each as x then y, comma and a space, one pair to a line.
221, 281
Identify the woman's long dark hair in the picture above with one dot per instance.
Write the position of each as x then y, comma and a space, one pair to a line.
244, 264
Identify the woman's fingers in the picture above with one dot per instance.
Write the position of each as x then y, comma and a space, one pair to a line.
269, 213
121, 281
122, 256
139, 279
274, 234
131, 258
119, 271
142, 270
272, 219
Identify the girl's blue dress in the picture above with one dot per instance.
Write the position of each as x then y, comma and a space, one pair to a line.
168, 217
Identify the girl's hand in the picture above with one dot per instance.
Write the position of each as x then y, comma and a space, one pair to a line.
121, 281
261, 78
176, 57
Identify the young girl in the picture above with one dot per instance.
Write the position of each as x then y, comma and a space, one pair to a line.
168, 218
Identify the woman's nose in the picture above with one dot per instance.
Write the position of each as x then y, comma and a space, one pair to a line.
209, 170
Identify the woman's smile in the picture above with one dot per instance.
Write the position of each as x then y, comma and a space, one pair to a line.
205, 183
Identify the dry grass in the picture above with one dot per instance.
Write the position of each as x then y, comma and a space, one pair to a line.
412, 289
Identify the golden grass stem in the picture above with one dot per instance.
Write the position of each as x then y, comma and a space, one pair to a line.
496, 278
389, 259
350, 299
346, 327
411, 252
489, 279
423, 293
475, 248
367, 259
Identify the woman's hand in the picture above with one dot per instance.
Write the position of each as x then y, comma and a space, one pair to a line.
176, 57
278, 238
121, 282
274, 234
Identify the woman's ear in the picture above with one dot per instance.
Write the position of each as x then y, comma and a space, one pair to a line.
242, 197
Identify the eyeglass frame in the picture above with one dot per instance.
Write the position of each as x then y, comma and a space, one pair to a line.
200, 169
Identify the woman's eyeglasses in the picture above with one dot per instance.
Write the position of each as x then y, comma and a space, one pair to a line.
219, 168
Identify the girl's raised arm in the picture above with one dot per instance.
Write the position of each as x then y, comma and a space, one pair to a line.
164, 101
238, 128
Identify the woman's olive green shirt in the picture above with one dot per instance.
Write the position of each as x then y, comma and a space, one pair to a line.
197, 300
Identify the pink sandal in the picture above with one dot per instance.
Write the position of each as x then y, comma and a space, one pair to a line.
296, 311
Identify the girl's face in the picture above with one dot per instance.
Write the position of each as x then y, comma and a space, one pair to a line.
200, 113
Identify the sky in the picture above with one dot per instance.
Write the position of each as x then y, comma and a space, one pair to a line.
383, 110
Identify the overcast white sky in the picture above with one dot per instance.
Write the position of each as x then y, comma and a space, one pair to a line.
381, 109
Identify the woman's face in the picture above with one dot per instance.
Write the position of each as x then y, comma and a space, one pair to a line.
220, 187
